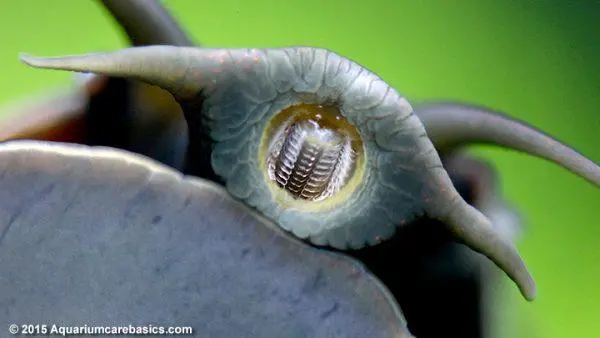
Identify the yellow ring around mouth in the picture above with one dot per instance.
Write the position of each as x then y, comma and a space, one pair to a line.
326, 119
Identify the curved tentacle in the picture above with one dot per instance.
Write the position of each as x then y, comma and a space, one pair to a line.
452, 125
146, 22
163, 66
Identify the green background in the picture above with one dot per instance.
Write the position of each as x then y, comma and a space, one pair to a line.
537, 60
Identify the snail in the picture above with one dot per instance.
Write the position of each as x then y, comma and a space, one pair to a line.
296, 111
324, 147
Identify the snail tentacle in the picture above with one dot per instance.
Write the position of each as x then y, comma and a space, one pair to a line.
147, 22
283, 121
452, 125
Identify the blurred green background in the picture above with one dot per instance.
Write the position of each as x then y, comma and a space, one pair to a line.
537, 60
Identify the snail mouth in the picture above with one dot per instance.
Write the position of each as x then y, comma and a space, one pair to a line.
309, 161
312, 152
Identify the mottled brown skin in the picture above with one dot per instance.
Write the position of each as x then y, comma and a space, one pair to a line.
60, 117
58, 126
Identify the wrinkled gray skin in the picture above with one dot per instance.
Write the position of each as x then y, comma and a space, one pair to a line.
122, 240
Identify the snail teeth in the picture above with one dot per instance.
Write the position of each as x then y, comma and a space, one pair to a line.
310, 158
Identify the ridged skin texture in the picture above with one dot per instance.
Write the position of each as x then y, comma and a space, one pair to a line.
242, 89
242, 103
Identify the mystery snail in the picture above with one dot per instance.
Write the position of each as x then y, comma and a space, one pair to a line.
317, 143
233, 94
